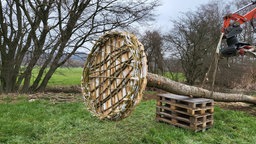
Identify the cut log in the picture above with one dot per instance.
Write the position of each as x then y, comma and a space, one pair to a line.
183, 89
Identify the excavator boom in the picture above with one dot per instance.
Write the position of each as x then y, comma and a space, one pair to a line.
239, 18
231, 28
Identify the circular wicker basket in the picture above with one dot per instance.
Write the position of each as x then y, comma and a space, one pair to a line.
114, 76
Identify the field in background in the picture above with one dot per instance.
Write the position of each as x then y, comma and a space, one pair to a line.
179, 77
64, 77
72, 76
44, 122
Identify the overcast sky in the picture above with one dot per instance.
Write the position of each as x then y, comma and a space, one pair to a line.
171, 9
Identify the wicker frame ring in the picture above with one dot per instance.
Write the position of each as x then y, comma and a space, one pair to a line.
114, 76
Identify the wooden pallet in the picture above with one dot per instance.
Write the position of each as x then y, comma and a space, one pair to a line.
187, 110
185, 113
191, 113
194, 127
186, 101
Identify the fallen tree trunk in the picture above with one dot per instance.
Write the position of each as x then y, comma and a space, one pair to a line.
183, 89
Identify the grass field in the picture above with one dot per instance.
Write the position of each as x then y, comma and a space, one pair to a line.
45, 122
175, 76
64, 77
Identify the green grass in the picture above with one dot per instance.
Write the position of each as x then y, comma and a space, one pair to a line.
43, 122
64, 77
175, 76
150, 92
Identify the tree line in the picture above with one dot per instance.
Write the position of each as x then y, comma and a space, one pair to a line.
190, 45
46, 34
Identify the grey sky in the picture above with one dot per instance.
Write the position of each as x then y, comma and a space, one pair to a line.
171, 9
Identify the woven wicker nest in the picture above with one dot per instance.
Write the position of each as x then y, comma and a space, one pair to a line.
114, 76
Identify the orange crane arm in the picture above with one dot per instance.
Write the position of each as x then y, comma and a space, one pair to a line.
238, 18
231, 28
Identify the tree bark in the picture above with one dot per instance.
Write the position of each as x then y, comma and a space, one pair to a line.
183, 89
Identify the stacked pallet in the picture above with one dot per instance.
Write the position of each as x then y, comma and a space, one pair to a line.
195, 114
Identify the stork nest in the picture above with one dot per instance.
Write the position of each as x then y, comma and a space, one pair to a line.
114, 76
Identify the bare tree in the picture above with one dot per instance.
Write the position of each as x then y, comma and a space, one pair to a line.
153, 43
194, 37
54, 31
